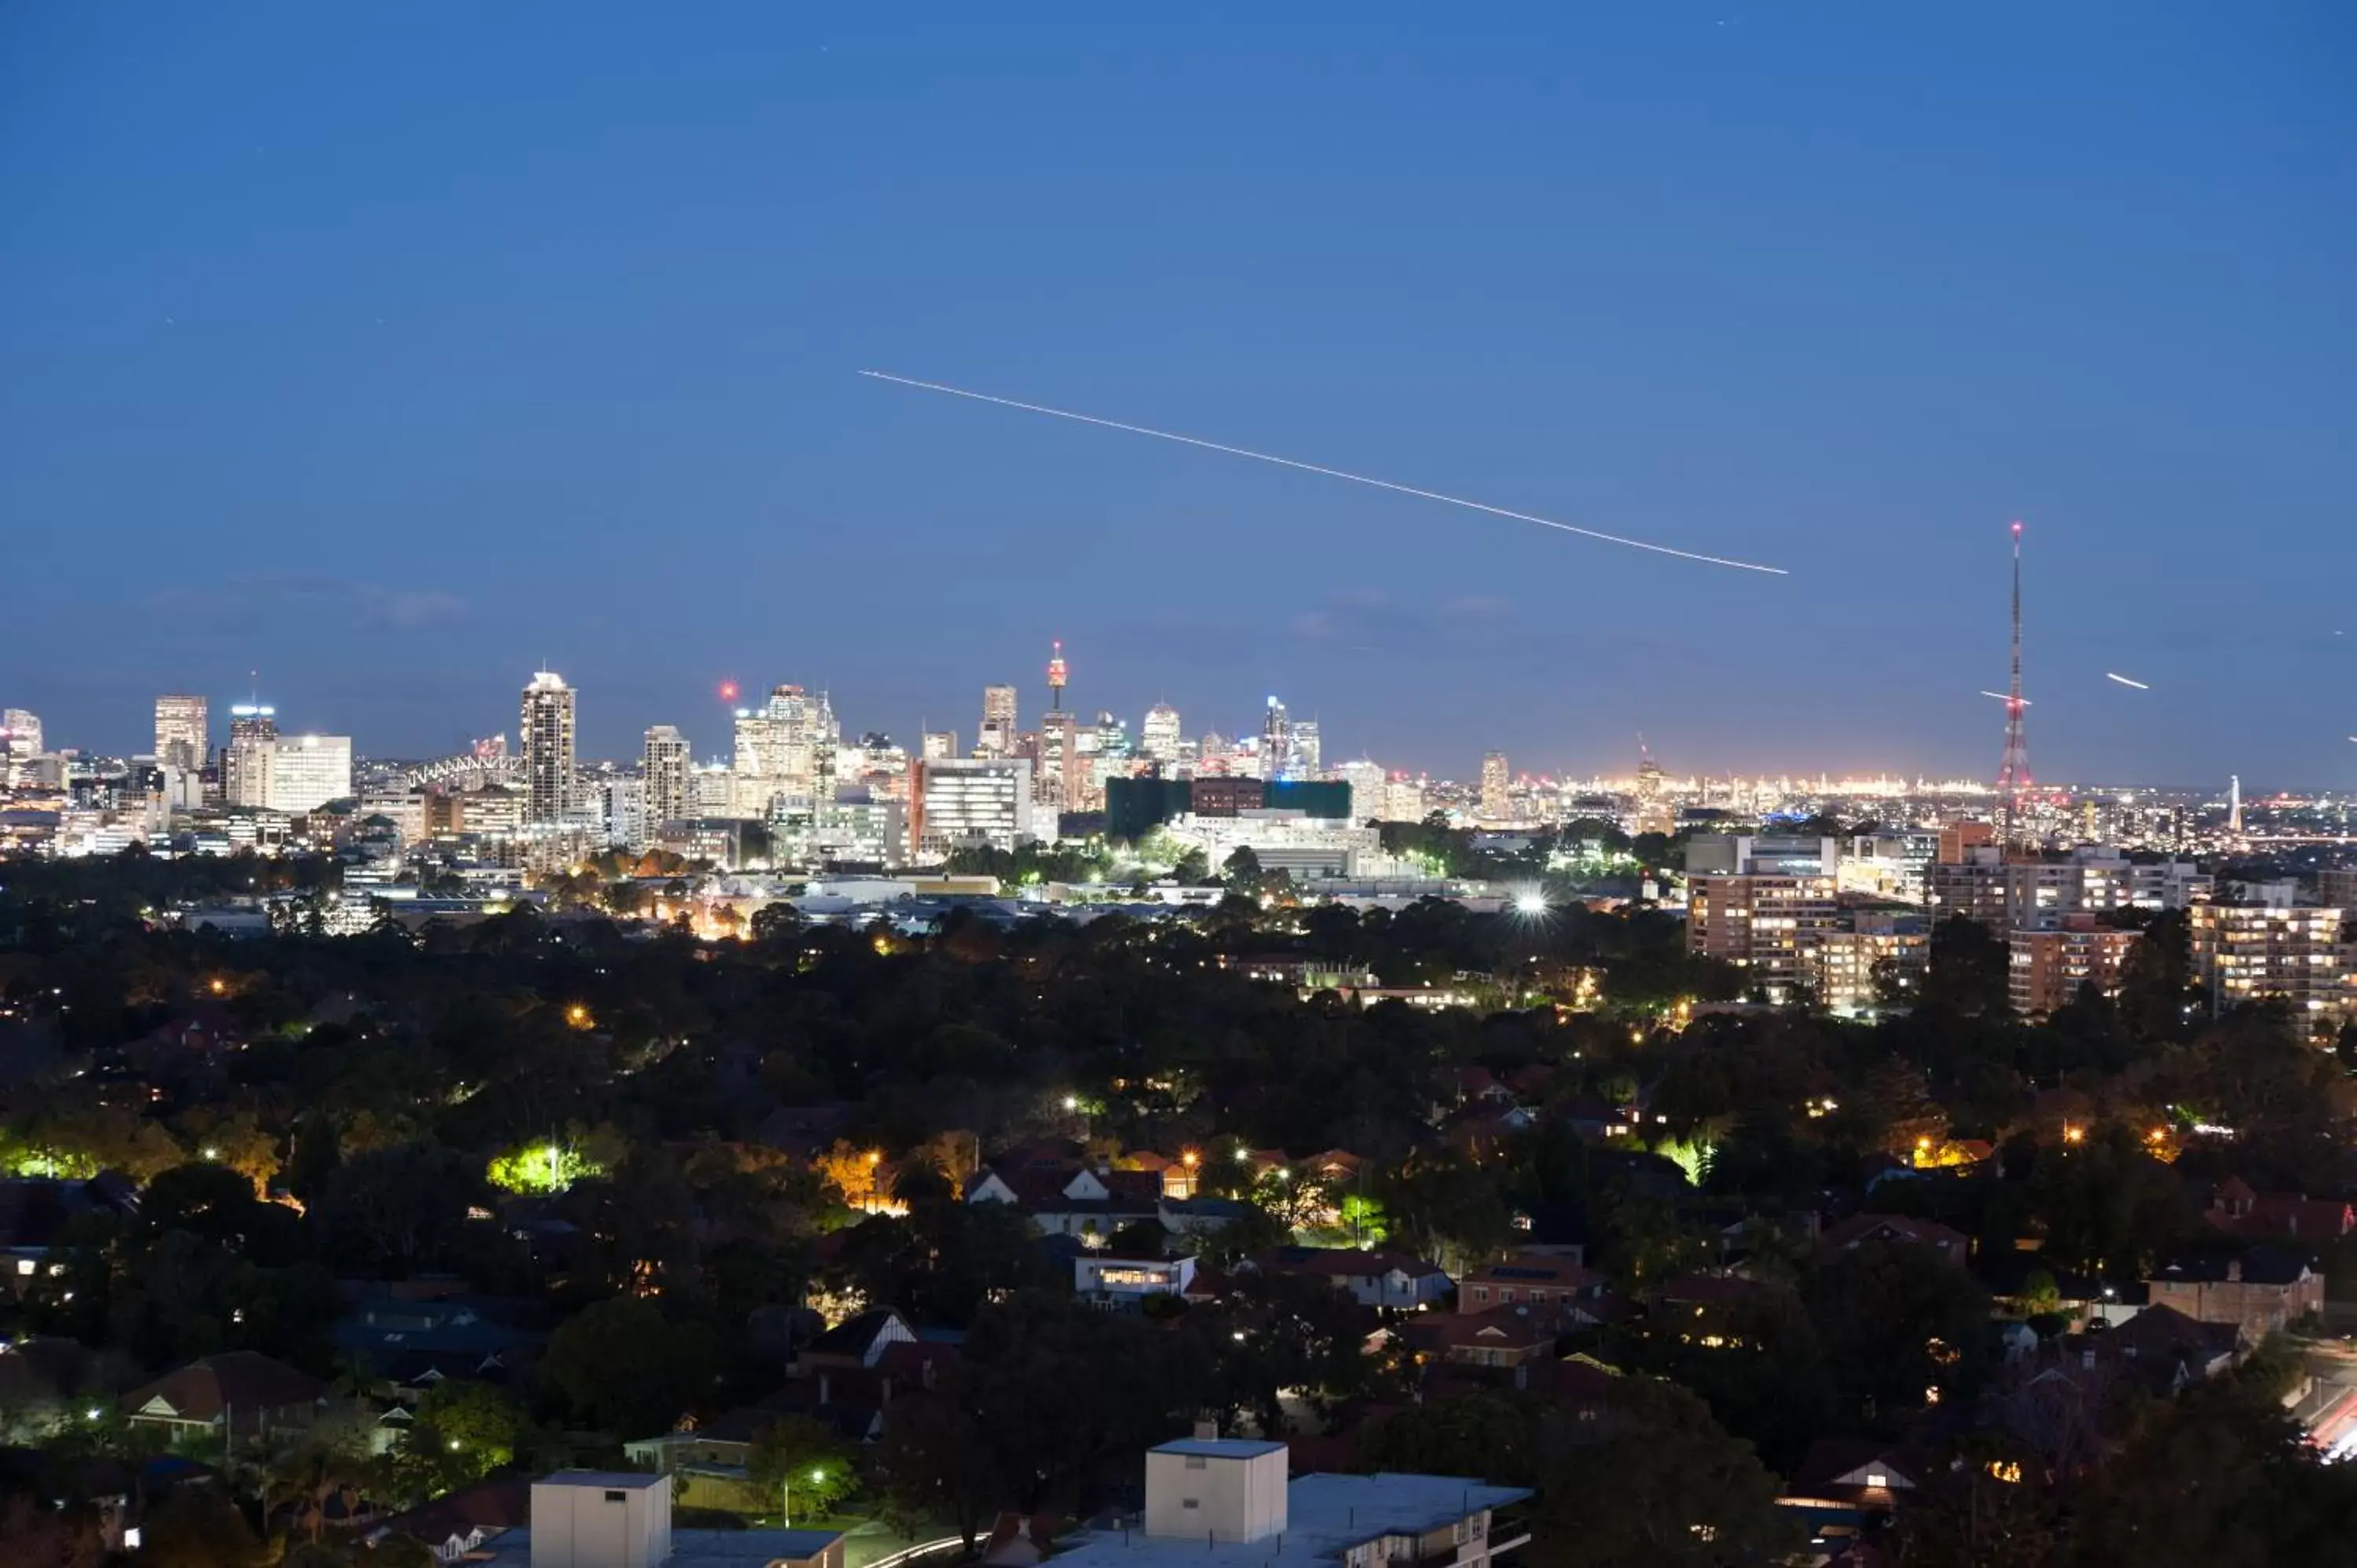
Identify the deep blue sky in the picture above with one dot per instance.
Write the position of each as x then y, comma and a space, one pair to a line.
393, 349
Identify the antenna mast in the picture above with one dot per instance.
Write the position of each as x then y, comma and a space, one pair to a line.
2013, 774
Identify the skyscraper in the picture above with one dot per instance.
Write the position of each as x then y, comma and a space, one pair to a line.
997, 736
547, 730
1158, 737
1496, 779
20, 741
1275, 743
246, 760
663, 766
20, 731
1061, 781
1308, 748
181, 740
303, 772
1653, 813
786, 747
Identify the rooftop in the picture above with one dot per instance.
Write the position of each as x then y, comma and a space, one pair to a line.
689, 1548
605, 1480
1326, 1516
1219, 1448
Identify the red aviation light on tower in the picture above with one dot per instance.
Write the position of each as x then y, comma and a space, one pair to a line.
1057, 673
727, 691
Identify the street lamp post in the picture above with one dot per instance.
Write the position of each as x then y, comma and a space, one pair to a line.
785, 1493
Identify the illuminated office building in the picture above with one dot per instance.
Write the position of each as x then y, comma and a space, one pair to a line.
181, 739
245, 762
1158, 738
997, 736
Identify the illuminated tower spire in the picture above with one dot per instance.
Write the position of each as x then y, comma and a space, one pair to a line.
1056, 676
2013, 775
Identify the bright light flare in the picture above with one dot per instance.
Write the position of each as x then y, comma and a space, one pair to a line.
1329, 473
1530, 904
2124, 681
728, 690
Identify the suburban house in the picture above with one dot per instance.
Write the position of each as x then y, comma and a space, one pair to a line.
1894, 1229
1501, 1337
1090, 1203
2238, 1210
456, 1523
2259, 1289
1122, 1284
415, 1344
1372, 1278
1706, 1309
237, 1393
2074, 1397
855, 1343
1527, 1280
1842, 1484
706, 1461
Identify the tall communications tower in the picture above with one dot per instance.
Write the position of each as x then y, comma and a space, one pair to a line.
1056, 674
2013, 775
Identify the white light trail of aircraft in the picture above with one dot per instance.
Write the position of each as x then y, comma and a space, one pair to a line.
1329, 473
2001, 697
2124, 681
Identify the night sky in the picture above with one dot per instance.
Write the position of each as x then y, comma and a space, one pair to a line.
392, 350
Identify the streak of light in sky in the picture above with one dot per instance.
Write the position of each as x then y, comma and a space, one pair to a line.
2001, 697
2124, 681
1329, 473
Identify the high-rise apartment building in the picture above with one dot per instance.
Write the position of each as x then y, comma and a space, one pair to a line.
1866, 954
2048, 967
1497, 781
663, 765
997, 736
547, 730
2246, 952
181, 739
1158, 737
1654, 812
246, 760
1768, 926
969, 802
1368, 790
1403, 799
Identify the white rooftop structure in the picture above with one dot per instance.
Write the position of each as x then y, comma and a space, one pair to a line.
621, 1518
1226, 1502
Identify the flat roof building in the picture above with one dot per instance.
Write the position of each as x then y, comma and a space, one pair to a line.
1229, 1502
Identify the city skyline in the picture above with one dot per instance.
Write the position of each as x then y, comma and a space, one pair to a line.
1848, 292
714, 738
